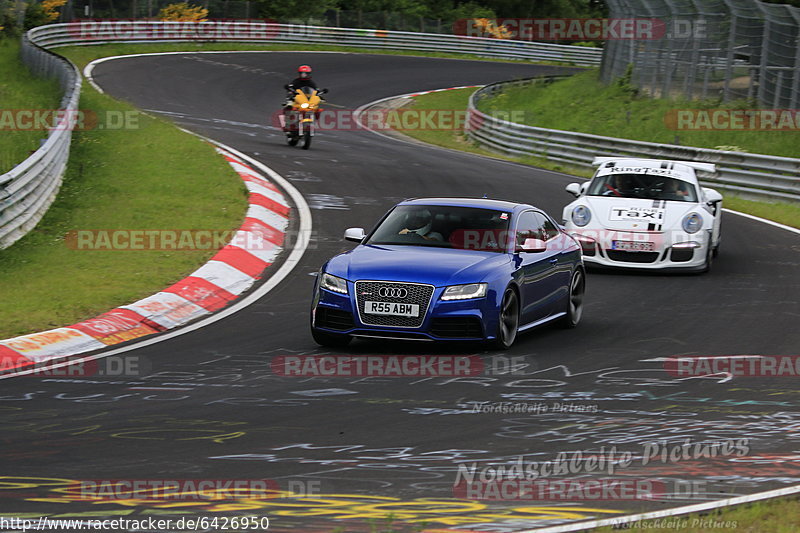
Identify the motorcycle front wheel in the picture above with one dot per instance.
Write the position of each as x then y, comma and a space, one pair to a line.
306, 140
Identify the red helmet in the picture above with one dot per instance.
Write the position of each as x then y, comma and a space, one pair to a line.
304, 71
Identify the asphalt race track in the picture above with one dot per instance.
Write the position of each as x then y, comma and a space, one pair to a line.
355, 449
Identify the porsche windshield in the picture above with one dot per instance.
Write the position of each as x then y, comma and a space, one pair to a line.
443, 226
648, 186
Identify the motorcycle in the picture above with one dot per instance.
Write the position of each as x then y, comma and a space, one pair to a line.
299, 119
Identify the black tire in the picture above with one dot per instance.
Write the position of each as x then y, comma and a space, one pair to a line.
306, 140
331, 340
509, 320
577, 288
715, 253
293, 139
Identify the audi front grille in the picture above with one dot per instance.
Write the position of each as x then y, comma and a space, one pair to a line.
393, 292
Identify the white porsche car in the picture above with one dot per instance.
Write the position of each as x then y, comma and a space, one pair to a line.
646, 214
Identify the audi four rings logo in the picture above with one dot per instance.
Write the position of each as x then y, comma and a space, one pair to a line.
392, 292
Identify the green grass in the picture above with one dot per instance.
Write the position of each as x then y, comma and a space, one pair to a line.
582, 103
153, 177
20, 90
784, 213
770, 516
454, 138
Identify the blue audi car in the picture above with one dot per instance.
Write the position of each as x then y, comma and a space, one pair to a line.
447, 269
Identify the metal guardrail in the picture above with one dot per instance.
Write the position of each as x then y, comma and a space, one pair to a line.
97, 32
29, 188
759, 176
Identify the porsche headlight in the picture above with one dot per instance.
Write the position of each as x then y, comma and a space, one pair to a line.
333, 283
465, 292
581, 215
692, 223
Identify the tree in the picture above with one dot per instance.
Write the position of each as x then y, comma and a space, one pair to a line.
183, 12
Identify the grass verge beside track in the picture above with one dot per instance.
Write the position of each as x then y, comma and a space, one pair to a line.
149, 175
582, 103
785, 213
768, 516
20, 90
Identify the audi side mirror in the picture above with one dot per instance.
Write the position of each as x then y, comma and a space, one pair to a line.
534, 246
354, 234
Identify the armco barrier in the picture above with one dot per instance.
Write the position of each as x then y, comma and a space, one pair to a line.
763, 177
29, 188
97, 32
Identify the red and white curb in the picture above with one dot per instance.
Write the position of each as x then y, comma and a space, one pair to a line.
232, 271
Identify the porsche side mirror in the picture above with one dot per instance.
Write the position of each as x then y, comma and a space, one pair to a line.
712, 196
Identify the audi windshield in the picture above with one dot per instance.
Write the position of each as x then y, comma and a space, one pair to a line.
438, 226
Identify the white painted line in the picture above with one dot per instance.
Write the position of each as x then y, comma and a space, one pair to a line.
664, 359
759, 219
582, 526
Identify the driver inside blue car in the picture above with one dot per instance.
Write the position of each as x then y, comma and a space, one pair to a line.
420, 222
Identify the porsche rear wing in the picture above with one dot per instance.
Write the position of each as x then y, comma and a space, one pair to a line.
705, 167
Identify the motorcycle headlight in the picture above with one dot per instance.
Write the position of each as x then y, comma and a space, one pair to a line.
581, 215
304, 105
692, 223
333, 283
464, 292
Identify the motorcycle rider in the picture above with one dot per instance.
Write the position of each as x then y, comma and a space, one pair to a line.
302, 80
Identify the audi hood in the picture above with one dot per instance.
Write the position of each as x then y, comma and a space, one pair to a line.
418, 264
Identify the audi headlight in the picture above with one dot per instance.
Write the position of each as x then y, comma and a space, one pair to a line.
692, 223
333, 283
581, 215
465, 292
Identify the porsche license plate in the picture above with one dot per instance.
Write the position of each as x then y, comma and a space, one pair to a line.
391, 309
632, 246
